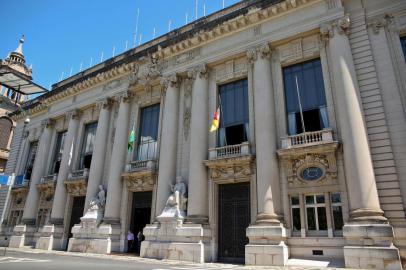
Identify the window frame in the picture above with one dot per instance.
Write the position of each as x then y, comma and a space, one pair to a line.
82, 154
57, 149
315, 205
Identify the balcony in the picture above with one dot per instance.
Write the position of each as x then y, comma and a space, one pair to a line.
47, 182
230, 151
76, 183
308, 139
140, 175
230, 164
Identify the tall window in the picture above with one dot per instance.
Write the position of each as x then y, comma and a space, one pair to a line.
403, 42
316, 212
337, 211
234, 117
29, 165
310, 86
87, 146
60, 140
5, 131
295, 205
148, 133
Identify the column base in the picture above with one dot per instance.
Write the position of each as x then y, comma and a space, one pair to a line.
197, 219
52, 238
266, 245
174, 240
101, 240
369, 246
23, 235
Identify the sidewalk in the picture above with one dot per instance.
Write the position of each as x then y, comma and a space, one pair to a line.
293, 264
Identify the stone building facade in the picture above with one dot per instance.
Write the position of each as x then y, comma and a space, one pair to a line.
308, 160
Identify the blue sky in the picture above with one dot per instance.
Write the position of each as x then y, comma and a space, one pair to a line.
62, 34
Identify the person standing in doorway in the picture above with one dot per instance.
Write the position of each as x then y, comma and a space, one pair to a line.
140, 238
130, 241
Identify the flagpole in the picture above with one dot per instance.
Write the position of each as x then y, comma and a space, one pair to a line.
221, 113
300, 105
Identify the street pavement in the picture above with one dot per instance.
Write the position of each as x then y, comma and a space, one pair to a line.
15, 259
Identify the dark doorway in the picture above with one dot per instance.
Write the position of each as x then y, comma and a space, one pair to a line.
234, 218
140, 215
78, 206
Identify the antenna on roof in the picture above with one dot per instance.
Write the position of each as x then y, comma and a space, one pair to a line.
196, 4
153, 34
61, 76
71, 70
223, 4
81, 65
91, 61
169, 25
139, 43
126, 45
101, 57
204, 9
186, 18
114, 51
136, 27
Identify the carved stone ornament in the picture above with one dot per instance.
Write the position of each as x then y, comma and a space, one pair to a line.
46, 195
299, 49
76, 187
187, 116
47, 123
232, 69
104, 103
172, 80
149, 71
73, 114
231, 170
176, 204
139, 180
378, 23
341, 26
124, 96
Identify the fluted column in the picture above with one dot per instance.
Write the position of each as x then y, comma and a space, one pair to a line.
59, 202
99, 153
198, 182
269, 201
167, 156
118, 156
359, 173
31, 204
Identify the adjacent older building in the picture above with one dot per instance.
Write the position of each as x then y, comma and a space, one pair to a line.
308, 159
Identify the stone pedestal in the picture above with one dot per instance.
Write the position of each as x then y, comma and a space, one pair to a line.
171, 239
266, 245
369, 246
23, 235
52, 238
101, 240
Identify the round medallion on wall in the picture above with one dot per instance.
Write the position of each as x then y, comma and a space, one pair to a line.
312, 173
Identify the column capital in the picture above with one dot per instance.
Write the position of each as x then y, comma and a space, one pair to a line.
124, 96
201, 70
104, 103
380, 22
73, 114
172, 80
47, 123
340, 26
264, 51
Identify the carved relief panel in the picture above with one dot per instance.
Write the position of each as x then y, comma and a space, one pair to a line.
232, 69
299, 49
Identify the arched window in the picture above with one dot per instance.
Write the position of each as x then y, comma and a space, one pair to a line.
6, 126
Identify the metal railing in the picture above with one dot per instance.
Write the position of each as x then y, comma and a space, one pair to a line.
79, 174
308, 138
49, 178
230, 151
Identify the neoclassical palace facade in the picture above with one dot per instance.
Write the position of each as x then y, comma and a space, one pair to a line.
309, 159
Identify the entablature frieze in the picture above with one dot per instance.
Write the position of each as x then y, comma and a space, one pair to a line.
231, 169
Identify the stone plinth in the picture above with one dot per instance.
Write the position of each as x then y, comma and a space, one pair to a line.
174, 240
52, 238
369, 246
102, 240
23, 235
266, 245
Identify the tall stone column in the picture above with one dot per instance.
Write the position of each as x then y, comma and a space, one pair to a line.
31, 204
169, 138
267, 235
59, 202
99, 153
198, 182
52, 235
368, 235
118, 158
24, 234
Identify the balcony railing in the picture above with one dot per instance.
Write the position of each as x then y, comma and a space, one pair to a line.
49, 178
307, 138
78, 174
230, 151
139, 165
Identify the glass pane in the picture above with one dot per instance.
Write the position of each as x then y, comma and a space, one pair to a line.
87, 146
296, 225
148, 132
321, 214
311, 218
403, 42
335, 198
234, 103
295, 200
338, 218
320, 198
310, 199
